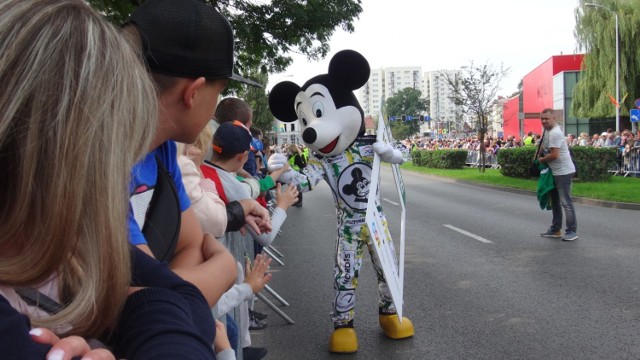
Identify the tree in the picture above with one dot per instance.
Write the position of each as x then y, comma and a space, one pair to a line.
266, 31
407, 101
596, 34
258, 101
475, 90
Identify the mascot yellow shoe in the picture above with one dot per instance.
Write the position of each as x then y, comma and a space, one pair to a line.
392, 327
344, 340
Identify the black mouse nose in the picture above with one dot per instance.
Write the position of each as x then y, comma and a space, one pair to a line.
309, 136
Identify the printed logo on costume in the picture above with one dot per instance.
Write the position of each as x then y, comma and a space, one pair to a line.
366, 151
353, 185
345, 301
336, 159
348, 264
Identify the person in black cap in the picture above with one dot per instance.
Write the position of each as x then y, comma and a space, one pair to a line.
231, 146
188, 49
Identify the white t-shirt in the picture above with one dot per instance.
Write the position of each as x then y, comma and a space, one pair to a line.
554, 138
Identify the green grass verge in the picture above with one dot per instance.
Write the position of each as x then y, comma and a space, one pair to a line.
621, 189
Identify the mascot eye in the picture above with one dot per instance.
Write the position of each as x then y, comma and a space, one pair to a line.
302, 118
318, 109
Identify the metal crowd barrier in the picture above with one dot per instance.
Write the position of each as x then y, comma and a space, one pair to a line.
474, 160
627, 162
275, 255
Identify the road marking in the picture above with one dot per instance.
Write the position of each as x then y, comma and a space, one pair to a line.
389, 201
471, 235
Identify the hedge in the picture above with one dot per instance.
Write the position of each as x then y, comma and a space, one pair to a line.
440, 159
592, 164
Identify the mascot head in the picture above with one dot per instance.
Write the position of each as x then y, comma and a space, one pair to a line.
330, 116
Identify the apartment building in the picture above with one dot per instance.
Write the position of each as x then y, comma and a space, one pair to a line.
443, 112
385, 82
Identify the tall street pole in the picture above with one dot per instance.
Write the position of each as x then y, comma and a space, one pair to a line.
617, 74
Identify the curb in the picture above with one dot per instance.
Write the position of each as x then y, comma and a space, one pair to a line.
576, 199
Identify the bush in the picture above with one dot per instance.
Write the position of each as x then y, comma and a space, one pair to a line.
514, 162
440, 159
592, 164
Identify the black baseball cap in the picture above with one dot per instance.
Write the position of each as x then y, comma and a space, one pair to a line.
186, 38
231, 138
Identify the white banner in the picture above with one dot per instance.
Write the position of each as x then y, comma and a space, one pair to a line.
380, 236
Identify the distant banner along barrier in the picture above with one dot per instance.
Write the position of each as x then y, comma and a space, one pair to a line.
392, 267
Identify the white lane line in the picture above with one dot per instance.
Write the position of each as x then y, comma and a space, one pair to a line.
471, 235
389, 201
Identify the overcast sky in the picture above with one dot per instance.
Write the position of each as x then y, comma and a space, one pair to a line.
448, 34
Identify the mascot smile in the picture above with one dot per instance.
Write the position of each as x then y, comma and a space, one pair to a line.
332, 126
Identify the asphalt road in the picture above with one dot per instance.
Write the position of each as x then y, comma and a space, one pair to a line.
480, 283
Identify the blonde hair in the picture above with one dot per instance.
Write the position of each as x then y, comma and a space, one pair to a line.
77, 111
202, 143
294, 149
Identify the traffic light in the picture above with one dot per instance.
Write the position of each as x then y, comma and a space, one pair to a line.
421, 117
404, 117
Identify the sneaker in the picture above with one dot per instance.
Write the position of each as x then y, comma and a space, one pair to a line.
253, 353
257, 315
551, 234
570, 236
255, 324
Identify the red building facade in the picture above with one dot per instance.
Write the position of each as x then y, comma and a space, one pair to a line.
544, 87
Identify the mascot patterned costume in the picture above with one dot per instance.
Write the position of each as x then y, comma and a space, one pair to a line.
332, 126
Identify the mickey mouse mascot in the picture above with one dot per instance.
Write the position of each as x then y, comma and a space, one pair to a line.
332, 126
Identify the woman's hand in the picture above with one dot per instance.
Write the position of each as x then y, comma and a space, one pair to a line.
68, 347
221, 342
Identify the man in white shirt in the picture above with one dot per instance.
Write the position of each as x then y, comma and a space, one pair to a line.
555, 153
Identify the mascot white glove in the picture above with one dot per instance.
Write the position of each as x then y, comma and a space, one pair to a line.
288, 176
387, 152
276, 161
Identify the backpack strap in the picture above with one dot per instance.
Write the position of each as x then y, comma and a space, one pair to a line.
35, 298
210, 172
162, 225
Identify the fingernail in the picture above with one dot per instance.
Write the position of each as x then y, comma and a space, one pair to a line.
35, 332
56, 355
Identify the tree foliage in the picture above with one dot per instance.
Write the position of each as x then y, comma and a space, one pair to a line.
267, 31
474, 90
258, 101
407, 101
595, 34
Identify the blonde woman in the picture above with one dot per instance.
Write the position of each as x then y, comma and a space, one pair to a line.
78, 111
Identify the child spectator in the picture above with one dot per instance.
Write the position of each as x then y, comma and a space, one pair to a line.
231, 147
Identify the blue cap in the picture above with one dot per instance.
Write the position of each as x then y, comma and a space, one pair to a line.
232, 138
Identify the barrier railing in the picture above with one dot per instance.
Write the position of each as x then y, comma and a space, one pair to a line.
627, 162
474, 160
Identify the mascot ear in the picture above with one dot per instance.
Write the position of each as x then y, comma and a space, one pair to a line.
350, 68
281, 101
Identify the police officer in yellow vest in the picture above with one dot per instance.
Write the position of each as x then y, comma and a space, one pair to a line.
298, 161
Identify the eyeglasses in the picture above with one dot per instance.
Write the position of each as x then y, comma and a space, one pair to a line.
545, 119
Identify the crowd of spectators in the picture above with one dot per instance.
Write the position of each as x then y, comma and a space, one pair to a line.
627, 144
609, 138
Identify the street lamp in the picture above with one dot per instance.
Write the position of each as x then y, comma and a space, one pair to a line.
615, 14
